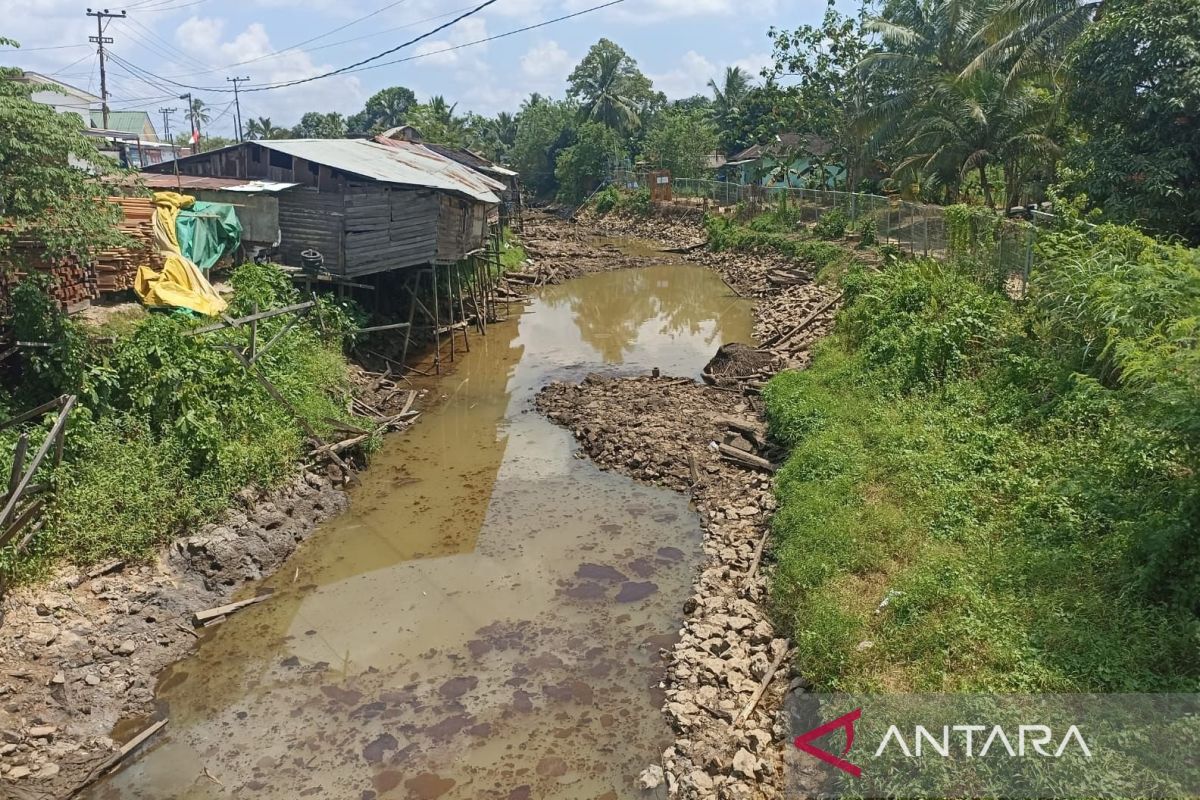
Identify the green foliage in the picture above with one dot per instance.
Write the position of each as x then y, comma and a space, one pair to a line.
867, 232
606, 200
832, 225
726, 234
544, 129
611, 90
681, 142
170, 424
41, 195
587, 162
1017, 481
387, 108
36, 317
317, 125
1135, 94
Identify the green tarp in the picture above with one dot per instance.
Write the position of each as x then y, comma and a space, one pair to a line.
208, 231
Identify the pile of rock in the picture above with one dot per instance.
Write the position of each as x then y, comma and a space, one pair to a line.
730, 744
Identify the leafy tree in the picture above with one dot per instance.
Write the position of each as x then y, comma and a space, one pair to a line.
315, 125
1136, 98
544, 128
42, 195
977, 124
263, 128
681, 142
827, 91
696, 102
438, 123
611, 89
581, 167
385, 109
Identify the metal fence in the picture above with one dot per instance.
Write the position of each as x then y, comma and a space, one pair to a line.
1001, 256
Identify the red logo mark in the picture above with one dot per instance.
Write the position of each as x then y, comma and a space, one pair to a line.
804, 742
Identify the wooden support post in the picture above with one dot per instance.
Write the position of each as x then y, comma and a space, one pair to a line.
412, 311
462, 311
18, 463
15, 495
254, 333
437, 323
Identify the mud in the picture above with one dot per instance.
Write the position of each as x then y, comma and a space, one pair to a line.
80, 655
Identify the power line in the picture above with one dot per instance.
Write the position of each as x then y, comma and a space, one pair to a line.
361, 66
38, 49
100, 39
504, 35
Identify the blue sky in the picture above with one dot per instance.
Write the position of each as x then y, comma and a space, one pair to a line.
680, 44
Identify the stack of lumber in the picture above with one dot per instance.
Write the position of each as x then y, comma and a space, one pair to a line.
116, 268
74, 281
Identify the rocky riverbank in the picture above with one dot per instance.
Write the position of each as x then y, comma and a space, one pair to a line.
729, 673
666, 432
80, 652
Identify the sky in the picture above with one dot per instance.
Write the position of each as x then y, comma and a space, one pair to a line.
162, 47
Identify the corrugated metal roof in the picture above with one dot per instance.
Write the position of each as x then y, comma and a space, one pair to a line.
465, 156
124, 121
161, 181
396, 162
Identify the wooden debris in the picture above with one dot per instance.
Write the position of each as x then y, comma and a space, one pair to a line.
804, 323
745, 459
110, 763
751, 430
201, 617
104, 569
762, 687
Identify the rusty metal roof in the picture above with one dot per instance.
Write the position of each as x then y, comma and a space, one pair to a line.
395, 162
167, 181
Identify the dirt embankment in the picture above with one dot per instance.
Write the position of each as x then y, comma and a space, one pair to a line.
729, 673
81, 652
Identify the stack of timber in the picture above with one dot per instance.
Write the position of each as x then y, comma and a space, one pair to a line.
116, 268
73, 281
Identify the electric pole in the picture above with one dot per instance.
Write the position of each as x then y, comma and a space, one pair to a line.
195, 132
167, 112
237, 104
101, 40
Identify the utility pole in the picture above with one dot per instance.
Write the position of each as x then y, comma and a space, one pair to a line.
167, 112
191, 111
237, 104
101, 40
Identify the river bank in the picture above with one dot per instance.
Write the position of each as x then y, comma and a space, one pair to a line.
729, 673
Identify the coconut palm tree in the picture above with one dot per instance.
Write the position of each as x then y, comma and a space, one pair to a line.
610, 87
1030, 35
970, 125
263, 128
729, 96
199, 113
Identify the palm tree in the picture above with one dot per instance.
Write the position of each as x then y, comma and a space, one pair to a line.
505, 126
199, 113
610, 87
729, 96
263, 128
969, 125
1028, 35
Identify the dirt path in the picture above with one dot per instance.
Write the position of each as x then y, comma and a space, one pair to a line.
729, 673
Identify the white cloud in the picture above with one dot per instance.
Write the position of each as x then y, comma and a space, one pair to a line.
204, 39
439, 52
655, 11
546, 60
692, 75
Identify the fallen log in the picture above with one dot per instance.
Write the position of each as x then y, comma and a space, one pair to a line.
745, 459
200, 617
750, 430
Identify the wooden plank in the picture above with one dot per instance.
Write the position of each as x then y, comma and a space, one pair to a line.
200, 617
744, 458
59, 425
237, 323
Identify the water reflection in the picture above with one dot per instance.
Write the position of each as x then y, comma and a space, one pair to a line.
486, 621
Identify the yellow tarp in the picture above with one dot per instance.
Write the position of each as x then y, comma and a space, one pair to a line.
181, 284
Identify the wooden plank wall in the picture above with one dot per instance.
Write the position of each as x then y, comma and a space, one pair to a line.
312, 219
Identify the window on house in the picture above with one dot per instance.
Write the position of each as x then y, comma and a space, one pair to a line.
281, 160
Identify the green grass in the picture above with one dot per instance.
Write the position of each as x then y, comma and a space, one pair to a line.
169, 426
1031, 528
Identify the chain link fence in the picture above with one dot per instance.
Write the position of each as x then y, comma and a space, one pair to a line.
1000, 251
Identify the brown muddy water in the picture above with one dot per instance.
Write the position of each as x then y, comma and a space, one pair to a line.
486, 620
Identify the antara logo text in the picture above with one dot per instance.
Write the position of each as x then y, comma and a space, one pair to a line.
951, 741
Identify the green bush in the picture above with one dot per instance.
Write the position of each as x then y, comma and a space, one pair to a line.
1017, 481
606, 200
726, 234
170, 424
832, 225
867, 233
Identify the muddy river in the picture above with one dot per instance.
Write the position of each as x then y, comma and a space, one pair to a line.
486, 621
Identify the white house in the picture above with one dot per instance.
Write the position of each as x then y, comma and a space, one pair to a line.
62, 97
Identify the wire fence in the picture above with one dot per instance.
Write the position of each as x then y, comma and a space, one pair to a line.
1000, 250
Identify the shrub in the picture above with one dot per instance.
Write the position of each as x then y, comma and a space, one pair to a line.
606, 200
867, 235
831, 225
